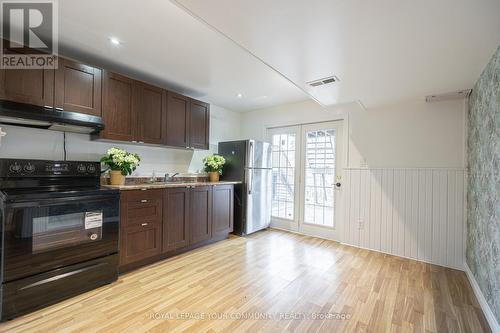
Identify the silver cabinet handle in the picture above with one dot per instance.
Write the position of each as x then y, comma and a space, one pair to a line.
144, 189
143, 201
59, 109
144, 224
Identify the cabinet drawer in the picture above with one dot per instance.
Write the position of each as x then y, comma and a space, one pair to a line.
140, 195
141, 206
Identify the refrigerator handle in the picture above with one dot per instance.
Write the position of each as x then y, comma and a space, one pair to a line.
251, 153
249, 181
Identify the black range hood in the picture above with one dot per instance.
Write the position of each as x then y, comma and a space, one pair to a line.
27, 115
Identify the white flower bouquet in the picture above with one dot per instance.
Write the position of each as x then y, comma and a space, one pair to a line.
118, 159
214, 163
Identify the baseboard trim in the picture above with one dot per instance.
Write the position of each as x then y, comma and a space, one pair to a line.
365, 248
490, 317
459, 268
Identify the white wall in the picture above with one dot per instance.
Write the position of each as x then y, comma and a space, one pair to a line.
409, 134
42, 144
403, 181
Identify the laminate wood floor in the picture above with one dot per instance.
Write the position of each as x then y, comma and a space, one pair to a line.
272, 281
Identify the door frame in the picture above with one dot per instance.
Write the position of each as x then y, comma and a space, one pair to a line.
342, 154
309, 228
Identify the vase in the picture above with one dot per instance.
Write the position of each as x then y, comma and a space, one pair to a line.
116, 178
213, 176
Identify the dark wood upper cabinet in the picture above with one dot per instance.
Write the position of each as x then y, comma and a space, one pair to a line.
200, 226
199, 125
117, 107
32, 86
178, 119
222, 210
176, 208
150, 105
78, 88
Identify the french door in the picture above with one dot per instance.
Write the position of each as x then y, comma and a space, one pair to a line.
307, 166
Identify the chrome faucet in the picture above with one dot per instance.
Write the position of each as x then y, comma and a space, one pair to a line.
170, 178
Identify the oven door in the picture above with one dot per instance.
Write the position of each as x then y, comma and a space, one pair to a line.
48, 234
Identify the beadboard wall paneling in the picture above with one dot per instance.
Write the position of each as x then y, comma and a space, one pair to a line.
413, 213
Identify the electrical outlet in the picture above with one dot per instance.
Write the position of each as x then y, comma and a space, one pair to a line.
361, 223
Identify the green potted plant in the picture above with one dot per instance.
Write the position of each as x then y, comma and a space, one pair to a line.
214, 165
120, 164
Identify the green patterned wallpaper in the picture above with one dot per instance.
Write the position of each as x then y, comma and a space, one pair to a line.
483, 195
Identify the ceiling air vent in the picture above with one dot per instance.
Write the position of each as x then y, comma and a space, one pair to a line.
448, 96
322, 82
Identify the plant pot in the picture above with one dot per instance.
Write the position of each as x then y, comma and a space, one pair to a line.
213, 176
116, 178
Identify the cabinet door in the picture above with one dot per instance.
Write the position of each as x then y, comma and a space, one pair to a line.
150, 110
78, 88
117, 107
175, 218
177, 123
199, 125
200, 225
31, 86
222, 210
140, 242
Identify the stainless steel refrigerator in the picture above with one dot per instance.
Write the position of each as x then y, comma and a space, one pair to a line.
250, 162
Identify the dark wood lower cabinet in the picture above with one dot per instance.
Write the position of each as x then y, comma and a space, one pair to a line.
159, 223
176, 219
140, 242
222, 210
200, 222
140, 225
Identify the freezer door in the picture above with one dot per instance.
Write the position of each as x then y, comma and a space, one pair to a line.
235, 153
258, 199
259, 155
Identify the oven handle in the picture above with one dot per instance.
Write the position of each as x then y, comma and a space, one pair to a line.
60, 276
57, 201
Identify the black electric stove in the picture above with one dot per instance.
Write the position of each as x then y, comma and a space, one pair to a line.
59, 232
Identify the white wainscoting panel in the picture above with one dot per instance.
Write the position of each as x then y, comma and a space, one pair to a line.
413, 213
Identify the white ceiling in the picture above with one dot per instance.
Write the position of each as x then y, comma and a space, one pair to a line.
383, 51
165, 45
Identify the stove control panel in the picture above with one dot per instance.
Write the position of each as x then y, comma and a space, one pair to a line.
40, 168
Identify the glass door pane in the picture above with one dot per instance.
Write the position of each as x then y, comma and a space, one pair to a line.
283, 175
319, 177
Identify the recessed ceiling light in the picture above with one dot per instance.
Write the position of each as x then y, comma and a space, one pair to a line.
114, 41
239, 95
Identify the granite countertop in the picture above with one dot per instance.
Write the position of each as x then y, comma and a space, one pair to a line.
168, 185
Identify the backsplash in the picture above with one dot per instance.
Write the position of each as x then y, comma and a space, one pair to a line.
483, 220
